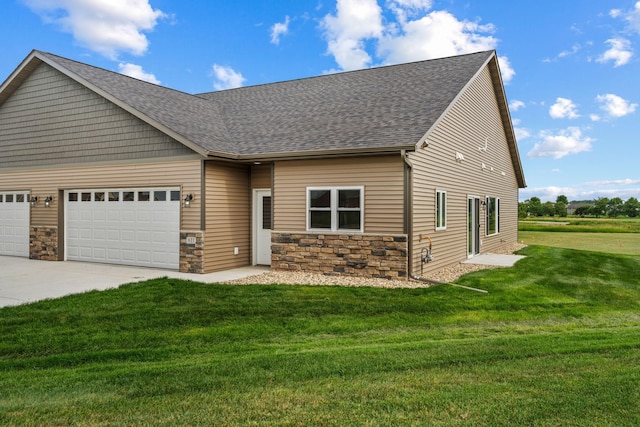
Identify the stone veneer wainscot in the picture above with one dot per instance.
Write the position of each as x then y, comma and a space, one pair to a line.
359, 255
192, 255
43, 243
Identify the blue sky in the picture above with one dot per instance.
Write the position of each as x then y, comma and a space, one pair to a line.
571, 67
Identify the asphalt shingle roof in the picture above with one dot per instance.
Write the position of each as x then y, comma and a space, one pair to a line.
389, 107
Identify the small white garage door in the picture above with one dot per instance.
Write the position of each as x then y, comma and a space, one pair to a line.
124, 226
14, 223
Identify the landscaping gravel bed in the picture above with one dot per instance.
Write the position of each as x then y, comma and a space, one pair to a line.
445, 275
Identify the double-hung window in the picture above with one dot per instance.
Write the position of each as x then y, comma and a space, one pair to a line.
335, 208
493, 215
441, 210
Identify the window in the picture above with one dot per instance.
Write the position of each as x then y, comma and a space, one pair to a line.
159, 196
441, 210
493, 215
335, 209
143, 196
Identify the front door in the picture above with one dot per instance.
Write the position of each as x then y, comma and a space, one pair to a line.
262, 220
473, 219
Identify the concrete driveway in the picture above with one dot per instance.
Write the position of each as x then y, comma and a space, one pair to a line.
24, 280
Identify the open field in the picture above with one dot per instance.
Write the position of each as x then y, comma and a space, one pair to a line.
580, 225
556, 341
614, 243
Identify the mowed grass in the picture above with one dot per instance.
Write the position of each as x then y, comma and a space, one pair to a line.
614, 243
556, 341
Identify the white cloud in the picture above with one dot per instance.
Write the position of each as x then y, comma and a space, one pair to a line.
567, 141
595, 117
226, 77
403, 9
515, 105
632, 17
107, 27
279, 29
615, 106
620, 52
436, 35
506, 69
355, 22
135, 71
563, 109
627, 181
521, 133
548, 194
358, 34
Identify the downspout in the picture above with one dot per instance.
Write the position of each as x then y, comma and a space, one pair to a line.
408, 218
408, 213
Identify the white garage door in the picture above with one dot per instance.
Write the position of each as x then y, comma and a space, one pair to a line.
124, 226
14, 224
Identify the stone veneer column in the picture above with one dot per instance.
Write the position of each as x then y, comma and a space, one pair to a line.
43, 243
192, 252
360, 255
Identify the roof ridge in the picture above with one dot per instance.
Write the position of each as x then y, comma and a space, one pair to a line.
346, 72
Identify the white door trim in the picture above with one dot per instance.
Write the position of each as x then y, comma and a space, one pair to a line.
473, 226
259, 237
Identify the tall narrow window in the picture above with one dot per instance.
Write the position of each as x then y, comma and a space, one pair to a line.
493, 215
335, 208
441, 210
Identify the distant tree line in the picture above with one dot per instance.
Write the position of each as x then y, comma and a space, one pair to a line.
600, 207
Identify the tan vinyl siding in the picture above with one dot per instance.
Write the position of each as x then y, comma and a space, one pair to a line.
227, 216
473, 118
52, 120
48, 182
261, 176
382, 178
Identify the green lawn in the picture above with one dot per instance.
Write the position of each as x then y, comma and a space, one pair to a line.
615, 243
556, 341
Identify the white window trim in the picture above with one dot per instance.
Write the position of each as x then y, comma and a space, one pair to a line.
497, 218
334, 209
439, 194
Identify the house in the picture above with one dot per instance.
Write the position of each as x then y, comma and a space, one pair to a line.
356, 173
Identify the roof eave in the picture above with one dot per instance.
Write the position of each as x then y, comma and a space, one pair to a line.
498, 84
315, 154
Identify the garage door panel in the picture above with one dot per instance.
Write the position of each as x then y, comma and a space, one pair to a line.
14, 223
126, 227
